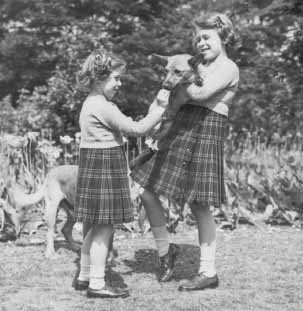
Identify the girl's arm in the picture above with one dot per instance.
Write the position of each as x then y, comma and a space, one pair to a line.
224, 77
115, 119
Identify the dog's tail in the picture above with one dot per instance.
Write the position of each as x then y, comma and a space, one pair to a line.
23, 199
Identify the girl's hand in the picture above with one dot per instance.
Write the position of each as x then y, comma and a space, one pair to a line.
163, 98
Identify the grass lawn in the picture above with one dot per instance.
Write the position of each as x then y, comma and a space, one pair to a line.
257, 270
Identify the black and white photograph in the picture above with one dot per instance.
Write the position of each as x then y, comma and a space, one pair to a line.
151, 155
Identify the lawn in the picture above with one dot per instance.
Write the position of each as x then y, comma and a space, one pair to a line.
258, 271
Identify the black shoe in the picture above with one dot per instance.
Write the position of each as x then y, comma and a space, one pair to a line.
167, 263
107, 292
81, 285
200, 282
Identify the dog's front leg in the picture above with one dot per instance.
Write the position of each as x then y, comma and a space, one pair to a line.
50, 216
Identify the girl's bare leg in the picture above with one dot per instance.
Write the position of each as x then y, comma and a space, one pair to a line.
167, 252
157, 220
154, 209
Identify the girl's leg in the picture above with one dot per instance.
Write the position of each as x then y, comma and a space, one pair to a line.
101, 235
207, 239
207, 276
85, 258
167, 252
157, 220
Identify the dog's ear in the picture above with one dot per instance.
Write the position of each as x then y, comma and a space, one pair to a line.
195, 60
159, 59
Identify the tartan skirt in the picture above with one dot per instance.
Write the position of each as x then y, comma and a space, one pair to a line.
103, 191
189, 165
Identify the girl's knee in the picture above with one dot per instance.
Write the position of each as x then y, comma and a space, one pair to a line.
101, 229
199, 208
149, 198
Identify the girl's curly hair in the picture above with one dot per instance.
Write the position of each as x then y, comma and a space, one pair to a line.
98, 66
220, 22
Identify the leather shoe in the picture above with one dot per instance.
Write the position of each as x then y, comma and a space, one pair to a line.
200, 282
167, 263
81, 285
107, 292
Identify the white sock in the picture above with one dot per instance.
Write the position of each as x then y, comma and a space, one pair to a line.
207, 259
96, 277
84, 267
161, 239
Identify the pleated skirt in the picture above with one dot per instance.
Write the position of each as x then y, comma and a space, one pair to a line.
103, 191
189, 167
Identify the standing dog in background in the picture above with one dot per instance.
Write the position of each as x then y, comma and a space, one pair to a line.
58, 190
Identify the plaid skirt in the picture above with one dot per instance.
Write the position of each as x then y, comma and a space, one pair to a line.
189, 164
103, 191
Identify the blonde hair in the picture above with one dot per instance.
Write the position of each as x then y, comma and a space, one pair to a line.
220, 22
98, 66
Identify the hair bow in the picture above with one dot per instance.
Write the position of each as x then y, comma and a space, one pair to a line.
218, 22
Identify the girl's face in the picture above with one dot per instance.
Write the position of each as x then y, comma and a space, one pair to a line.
111, 84
209, 44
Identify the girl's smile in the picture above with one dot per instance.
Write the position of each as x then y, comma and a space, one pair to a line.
209, 44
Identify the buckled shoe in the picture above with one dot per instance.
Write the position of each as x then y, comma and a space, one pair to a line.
167, 263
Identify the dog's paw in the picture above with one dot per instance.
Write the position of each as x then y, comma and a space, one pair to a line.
50, 254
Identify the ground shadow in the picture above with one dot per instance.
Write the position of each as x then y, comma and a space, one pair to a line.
146, 261
64, 244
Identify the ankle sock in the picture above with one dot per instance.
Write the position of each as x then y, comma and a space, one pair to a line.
84, 267
207, 259
161, 239
96, 277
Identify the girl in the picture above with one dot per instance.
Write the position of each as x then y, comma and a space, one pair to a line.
188, 168
103, 191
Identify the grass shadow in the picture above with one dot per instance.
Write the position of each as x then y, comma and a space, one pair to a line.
146, 261
187, 262
64, 244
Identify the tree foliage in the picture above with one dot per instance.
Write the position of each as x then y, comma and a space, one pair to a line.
42, 44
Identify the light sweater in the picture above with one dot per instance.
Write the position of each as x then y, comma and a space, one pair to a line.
102, 123
220, 83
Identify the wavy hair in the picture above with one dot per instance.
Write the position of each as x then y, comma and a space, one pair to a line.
98, 66
220, 22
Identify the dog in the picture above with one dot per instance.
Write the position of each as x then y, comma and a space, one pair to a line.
181, 70
58, 190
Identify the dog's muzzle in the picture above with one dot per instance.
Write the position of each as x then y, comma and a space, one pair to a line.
167, 86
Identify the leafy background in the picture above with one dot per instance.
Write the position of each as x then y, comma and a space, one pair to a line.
42, 44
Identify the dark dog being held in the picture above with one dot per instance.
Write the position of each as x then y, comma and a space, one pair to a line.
181, 70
